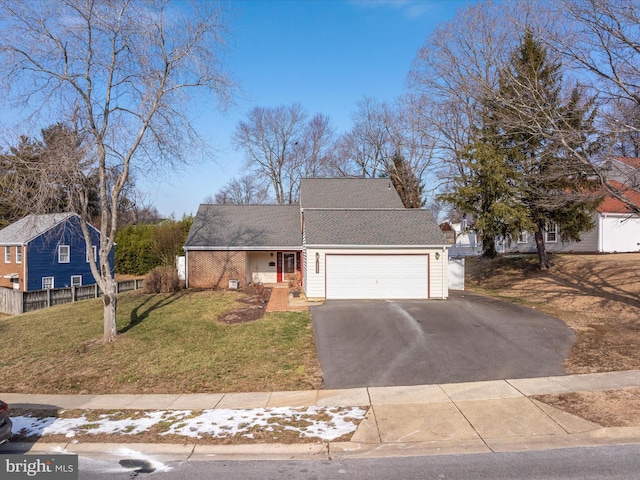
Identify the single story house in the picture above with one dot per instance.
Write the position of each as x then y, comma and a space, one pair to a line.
617, 230
47, 251
346, 238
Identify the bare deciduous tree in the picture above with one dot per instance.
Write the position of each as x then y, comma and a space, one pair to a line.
247, 189
413, 147
600, 39
267, 137
453, 72
388, 140
361, 152
282, 147
123, 72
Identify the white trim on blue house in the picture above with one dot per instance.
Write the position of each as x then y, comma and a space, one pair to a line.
64, 257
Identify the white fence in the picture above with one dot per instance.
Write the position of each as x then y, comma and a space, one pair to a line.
456, 273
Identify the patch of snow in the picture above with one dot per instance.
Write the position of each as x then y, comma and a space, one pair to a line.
216, 423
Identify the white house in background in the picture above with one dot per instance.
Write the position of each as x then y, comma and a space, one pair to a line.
617, 228
464, 241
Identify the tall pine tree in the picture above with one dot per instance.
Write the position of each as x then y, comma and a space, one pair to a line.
541, 133
522, 168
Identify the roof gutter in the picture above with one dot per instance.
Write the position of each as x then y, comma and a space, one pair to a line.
382, 247
238, 248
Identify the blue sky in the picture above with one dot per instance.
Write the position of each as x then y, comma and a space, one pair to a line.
325, 54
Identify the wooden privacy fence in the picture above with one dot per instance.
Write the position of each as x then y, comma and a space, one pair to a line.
14, 302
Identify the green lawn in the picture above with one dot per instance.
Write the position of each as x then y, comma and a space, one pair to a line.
168, 344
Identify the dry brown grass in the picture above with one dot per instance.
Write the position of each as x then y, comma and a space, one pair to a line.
611, 408
598, 296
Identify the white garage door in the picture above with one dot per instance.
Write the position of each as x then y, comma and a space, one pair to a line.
621, 234
377, 276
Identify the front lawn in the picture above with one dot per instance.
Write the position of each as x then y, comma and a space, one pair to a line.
168, 344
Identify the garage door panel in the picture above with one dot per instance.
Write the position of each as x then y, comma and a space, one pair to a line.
377, 276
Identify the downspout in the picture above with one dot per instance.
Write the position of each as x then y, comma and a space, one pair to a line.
186, 268
24, 268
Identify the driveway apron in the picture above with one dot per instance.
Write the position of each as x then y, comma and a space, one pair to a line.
467, 338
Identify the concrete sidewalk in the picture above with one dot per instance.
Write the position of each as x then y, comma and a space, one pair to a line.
481, 417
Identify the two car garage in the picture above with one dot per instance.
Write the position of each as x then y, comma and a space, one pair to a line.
377, 276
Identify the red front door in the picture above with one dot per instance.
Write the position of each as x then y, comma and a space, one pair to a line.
287, 264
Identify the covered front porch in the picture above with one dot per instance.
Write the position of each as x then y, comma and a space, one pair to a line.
276, 266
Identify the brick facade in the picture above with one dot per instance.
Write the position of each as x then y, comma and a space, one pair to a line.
209, 269
12, 267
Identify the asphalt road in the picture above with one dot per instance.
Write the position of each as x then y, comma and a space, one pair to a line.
467, 338
620, 462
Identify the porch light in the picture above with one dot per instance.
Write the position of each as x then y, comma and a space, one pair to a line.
317, 262
437, 255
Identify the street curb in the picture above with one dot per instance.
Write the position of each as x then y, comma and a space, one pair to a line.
332, 450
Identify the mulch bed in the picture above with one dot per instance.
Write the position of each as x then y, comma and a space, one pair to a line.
256, 300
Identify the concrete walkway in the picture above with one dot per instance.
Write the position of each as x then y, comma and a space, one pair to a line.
481, 417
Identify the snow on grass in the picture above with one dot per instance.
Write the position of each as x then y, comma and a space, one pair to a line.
323, 423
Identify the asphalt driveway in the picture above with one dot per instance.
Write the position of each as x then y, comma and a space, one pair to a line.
467, 338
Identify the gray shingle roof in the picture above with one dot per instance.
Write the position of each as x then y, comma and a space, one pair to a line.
29, 227
348, 193
410, 227
245, 226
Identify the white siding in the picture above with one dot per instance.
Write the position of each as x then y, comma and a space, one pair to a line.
314, 282
439, 277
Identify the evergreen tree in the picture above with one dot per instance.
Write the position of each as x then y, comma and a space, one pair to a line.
488, 187
521, 168
544, 135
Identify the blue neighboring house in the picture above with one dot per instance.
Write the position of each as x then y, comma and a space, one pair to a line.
47, 251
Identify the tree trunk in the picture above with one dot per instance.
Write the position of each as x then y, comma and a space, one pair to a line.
542, 251
489, 247
110, 301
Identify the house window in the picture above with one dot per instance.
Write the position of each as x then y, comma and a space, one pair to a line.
551, 233
95, 253
19, 254
47, 283
63, 254
7, 254
76, 280
523, 237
